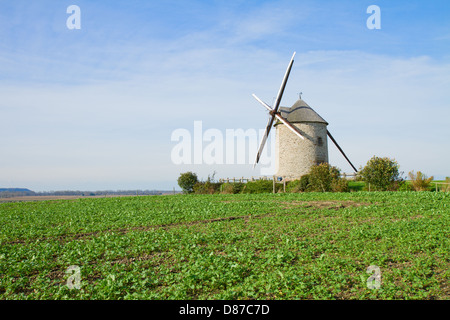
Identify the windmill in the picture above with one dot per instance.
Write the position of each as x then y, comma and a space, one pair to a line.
301, 139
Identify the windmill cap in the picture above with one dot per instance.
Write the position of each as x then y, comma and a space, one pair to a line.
301, 112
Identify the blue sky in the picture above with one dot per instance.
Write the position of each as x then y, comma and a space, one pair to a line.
94, 108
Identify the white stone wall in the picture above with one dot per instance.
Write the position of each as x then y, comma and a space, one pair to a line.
295, 156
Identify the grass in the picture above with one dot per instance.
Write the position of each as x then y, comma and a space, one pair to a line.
356, 185
245, 246
360, 185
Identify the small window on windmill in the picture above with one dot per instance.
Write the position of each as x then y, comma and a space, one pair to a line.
319, 141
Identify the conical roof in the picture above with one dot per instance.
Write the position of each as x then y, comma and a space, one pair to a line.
300, 112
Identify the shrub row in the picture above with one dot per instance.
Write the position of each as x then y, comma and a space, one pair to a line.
321, 178
379, 174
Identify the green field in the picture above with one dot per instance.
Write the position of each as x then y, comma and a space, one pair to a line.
245, 246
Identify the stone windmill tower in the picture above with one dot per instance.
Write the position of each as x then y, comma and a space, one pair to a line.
301, 139
295, 156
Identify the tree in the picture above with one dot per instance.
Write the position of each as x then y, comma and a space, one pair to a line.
187, 181
420, 182
326, 178
382, 174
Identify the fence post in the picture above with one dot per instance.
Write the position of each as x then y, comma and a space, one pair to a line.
273, 184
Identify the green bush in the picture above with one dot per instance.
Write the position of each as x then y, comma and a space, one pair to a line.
232, 187
382, 174
304, 183
187, 181
260, 186
326, 178
340, 185
292, 186
404, 186
300, 185
206, 187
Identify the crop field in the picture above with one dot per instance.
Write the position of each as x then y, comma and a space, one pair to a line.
357, 245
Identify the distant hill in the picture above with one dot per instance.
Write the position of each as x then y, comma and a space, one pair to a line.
15, 190
20, 192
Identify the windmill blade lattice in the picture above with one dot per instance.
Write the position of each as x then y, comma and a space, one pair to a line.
273, 112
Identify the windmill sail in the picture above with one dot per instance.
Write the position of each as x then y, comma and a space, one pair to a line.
263, 142
334, 141
307, 114
279, 117
283, 84
273, 112
290, 126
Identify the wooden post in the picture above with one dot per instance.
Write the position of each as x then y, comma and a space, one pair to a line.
284, 185
273, 184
